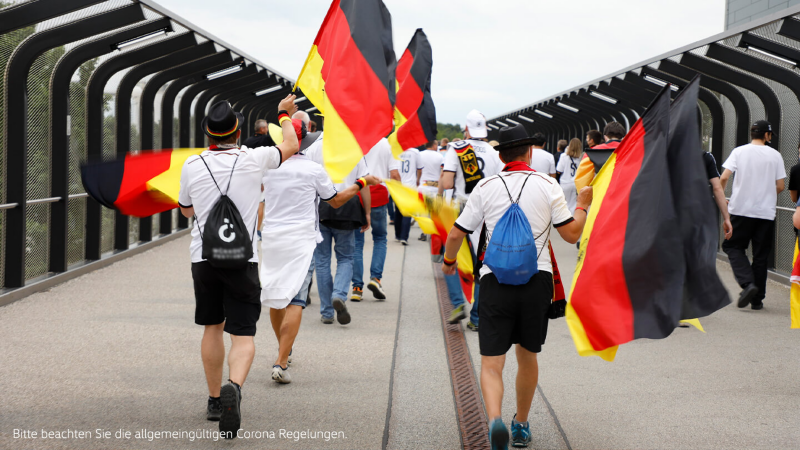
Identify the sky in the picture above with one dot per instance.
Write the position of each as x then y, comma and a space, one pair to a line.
495, 56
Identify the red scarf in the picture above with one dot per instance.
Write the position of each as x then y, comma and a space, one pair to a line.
558, 286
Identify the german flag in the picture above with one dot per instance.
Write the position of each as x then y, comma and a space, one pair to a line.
414, 113
794, 295
350, 77
645, 244
138, 185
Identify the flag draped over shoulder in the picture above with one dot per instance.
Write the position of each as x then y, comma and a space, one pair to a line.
794, 296
645, 261
349, 77
138, 185
414, 114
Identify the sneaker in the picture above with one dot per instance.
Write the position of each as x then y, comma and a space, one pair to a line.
341, 311
757, 305
231, 419
498, 435
214, 411
391, 222
747, 295
281, 374
289, 361
327, 320
357, 294
457, 315
520, 433
472, 326
423, 237
404, 242
376, 288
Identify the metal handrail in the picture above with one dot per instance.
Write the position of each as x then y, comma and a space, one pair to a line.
43, 200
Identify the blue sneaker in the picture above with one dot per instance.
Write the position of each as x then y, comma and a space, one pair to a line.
520, 433
498, 435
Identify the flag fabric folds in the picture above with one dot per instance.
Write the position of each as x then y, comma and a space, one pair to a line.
138, 185
350, 77
414, 114
794, 296
647, 255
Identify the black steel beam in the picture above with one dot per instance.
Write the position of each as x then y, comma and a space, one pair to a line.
59, 110
623, 97
613, 111
16, 83
740, 106
94, 116
26, 14
205, 98
598, 116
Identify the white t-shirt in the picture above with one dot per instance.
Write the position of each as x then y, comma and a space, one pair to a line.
543, 161
431, 163
314, 153
409, 163
566, 169
756, 169
488, 161
290, 193
198, 188
542, 202
380, 159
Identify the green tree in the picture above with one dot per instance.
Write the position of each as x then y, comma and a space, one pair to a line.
450, 131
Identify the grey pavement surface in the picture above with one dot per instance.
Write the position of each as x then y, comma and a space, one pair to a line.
118, 349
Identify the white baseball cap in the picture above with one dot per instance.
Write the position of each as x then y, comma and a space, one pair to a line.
476, 124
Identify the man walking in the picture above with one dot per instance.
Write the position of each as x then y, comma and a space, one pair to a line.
227, 300
542, 160
380, 163
760, 177
598, 153
466, 163
290, 238
515, 314
410, 172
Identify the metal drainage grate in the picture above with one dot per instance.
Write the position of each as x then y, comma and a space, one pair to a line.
467, 395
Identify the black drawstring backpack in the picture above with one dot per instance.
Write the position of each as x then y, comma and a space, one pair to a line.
226, 244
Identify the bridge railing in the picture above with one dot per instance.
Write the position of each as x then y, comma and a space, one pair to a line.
84, 79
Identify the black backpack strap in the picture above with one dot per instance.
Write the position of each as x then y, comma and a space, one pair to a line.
523, 188
231, 177
209, 172
510, 198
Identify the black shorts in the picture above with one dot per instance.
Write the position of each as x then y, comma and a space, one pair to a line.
232, 296
514, 314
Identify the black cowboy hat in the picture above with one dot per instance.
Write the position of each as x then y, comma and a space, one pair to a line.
221, 121
511, 137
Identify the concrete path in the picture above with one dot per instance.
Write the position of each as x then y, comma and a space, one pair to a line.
117, 351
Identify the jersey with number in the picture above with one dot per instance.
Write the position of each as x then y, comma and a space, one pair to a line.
488, 161
409, 163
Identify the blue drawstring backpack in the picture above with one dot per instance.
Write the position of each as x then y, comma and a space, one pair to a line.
512, 253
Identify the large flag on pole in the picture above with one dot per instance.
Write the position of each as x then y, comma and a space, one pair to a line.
414, 114
639, 244
350, 77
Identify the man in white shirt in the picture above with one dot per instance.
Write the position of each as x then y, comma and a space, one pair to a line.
542, 160
381, 163
410, 172
466, 164
759, 179
515, 314
289, 239
431, 161
228, 299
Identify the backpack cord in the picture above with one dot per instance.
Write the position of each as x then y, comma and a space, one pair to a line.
538, 253
220, 191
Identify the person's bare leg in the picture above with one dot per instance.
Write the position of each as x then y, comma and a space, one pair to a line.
276, 318
240, 358
492, 384
527, 378
212, 350
288, 333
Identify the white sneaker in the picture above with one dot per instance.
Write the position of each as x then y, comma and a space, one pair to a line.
404, 242
281, 375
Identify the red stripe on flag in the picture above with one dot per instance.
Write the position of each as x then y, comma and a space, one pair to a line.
133, 198
404, 67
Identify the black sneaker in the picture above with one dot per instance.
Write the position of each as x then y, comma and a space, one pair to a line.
214, 411
747, 295
231, 419
757, 305
341, 311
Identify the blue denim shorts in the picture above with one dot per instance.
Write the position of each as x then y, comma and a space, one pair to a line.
302, 295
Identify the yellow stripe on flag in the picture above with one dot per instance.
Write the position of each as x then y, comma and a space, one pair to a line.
407, 200
426, 225
794, 296
340, 149
399, 121
464, 257
582, 344
168, 183
310, 80
695, 323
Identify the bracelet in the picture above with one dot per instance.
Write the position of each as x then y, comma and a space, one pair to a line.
449, 262
283, 118
282, 112
361, 182
582, 209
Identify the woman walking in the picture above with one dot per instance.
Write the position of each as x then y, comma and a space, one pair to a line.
566, 168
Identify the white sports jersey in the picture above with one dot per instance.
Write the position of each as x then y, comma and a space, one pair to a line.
488, 161
409, 164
